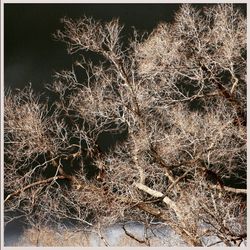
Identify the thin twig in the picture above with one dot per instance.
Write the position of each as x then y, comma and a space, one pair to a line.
34, 184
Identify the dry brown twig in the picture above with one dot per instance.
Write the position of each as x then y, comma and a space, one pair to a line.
147, 122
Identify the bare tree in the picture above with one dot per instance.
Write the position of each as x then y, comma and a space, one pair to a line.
156, 130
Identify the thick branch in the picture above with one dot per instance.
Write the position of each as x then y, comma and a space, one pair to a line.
157, 194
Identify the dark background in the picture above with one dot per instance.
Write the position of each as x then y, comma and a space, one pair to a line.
31, 54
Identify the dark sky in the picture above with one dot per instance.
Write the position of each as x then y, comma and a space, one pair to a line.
30, 53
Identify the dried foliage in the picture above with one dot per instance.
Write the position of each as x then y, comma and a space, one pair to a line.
155, 131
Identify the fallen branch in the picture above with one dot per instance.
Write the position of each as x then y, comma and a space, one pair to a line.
149, 190
157, 194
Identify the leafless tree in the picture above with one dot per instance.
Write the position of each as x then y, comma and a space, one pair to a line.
156, 130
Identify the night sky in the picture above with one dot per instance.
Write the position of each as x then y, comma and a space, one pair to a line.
31, 54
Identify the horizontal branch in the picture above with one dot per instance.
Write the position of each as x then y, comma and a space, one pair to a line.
195, 97
230, 189
34, 184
